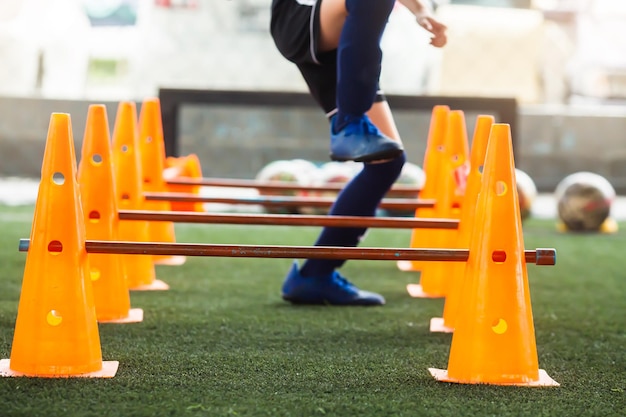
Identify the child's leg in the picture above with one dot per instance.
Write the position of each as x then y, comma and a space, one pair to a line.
355, 28
360, 197
318, 282
380, 114
333, 15
359, 57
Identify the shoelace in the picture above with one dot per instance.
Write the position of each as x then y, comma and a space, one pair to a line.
370, 128
361, 125
341, 281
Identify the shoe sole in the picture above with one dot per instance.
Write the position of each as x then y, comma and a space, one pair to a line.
378, 156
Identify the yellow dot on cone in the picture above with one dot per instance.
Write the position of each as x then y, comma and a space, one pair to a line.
53, 318
94, 274
500, 326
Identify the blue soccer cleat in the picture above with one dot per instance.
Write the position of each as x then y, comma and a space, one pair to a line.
331, 290
361, 141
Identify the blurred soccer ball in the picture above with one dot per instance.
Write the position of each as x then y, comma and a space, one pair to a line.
309, 169
286, 171
584, 201
526, 191
330, 173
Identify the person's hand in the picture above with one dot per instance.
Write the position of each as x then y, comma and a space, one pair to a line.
435, 27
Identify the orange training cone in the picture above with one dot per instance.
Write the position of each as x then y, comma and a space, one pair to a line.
494, 338
97, 190
140, 270
184, 167
56, 332
456, 270
433, 159
152, 151
434, 278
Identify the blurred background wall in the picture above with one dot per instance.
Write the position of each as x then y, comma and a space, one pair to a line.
563, 60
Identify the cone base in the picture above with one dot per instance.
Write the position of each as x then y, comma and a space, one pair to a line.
437, 326
156, 285
416, 291
135, 315
406, 266
543, 381
109, 369
171, 260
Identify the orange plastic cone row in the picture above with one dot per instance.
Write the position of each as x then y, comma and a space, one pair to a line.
97, 190
494, 338
456, 270
187, 167
433, 159
434, 279
56, 331
152, 154
140, 272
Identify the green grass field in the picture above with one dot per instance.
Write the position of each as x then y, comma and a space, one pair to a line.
221, 342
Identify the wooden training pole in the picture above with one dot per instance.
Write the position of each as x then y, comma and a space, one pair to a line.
289, 219
389, 204
542, 256
405, 191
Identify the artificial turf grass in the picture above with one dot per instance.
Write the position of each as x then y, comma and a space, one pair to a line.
222, 342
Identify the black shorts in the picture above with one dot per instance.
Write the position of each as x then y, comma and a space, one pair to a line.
295, 28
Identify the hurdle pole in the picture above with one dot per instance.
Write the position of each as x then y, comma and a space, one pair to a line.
280, 201
543, 256
281, 186
288, 220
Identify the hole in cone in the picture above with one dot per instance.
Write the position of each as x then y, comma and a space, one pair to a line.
124, 148
498, 256
501, 188
148, 139
54, 318
58, 178
96, 159
499, 326
55, 247
94, 216
440, 148
481, 168
125, 196
94, 274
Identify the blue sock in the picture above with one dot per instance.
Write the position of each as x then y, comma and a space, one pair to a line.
359, 57
360, 197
